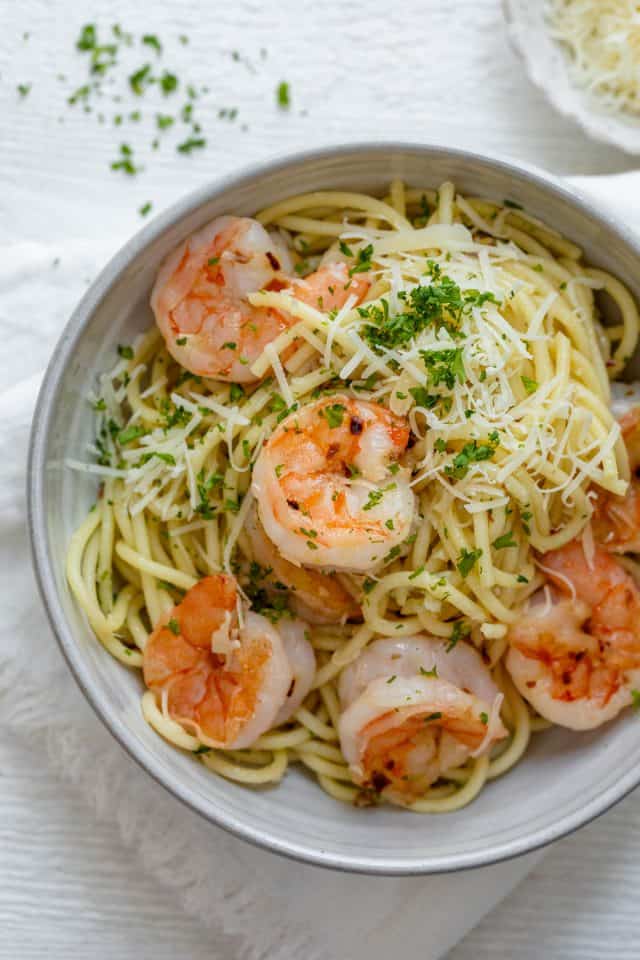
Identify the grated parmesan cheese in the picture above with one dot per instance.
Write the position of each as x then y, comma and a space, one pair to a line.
602, 40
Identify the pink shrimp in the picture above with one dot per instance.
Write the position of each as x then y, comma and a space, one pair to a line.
200, 297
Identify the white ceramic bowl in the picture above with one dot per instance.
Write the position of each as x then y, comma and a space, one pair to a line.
566, 778
546, 64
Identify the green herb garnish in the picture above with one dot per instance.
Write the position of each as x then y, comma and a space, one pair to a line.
467, 560
506, 540
283, 95
334, 414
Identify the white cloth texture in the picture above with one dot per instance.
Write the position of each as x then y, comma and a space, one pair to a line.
62, 214
217, 878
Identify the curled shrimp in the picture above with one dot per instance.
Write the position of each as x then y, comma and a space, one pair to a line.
329, 488
575, 652
413, 711
223, 679
616, 520
200, 297
316, 596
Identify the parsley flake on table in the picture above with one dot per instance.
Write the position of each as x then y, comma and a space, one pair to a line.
283, 95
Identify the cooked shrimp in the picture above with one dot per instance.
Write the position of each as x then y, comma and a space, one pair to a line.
302, 660
318, 597
329, 487
413, 711
616, 520
575, 652
222, 679
200, 296
330, 286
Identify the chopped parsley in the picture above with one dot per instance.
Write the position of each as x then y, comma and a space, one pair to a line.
143, 211
334, 414
125, 161
506, 540
484, 718
174, 627
150, 40
635, 699
236, 392
363, 260
130, 433
444, 366
191, 144
24, 89
139, 80
433, 716
88, 38
283, 95
393, 553
165, 457
429, 673
168, 83
374, 498
530, 385
460, 630
467, 561
204, 486
440, 304
125, 352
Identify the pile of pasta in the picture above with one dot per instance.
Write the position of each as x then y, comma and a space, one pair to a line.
502, 369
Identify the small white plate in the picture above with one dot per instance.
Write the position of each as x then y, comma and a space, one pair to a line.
547, 67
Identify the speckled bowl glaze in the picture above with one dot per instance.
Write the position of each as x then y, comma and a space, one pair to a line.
565, 780
547, 65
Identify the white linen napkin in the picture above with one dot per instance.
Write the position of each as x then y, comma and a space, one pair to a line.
218, 879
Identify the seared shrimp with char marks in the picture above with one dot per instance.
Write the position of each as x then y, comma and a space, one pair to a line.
575, 652
330, 490
412, 711
225, 679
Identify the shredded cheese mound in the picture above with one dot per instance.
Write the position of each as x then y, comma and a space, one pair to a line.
602, 38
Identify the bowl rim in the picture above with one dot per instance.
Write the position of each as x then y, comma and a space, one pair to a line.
43, 564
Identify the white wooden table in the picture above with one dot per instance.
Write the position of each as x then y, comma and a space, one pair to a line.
438, 70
